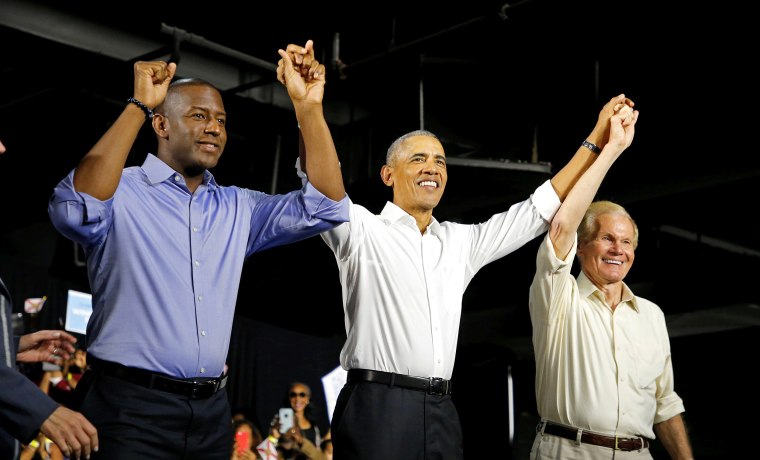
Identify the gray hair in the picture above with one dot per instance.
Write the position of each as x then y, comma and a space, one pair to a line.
589, 225
390, 157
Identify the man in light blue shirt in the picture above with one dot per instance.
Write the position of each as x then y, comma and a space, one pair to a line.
165, 247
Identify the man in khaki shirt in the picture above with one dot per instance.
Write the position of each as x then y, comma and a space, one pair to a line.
604, 379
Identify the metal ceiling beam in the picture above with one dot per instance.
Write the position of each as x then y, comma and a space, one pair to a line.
61, 27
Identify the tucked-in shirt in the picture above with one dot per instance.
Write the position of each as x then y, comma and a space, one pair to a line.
164, 264
402, 289
598, 369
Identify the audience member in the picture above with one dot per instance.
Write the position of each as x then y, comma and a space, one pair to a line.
59, 383
302, 440
327, 447
245, 431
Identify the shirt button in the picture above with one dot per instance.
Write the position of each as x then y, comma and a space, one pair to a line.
195, 229
203, 370
197, 264
203, 333
176, 178
200, 298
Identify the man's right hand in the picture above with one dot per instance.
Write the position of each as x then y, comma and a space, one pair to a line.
152, 80
72, 432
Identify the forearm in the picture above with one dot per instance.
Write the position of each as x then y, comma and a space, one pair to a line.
311, 451
568, 217
99, 172
672, 434
567, 177
321, 157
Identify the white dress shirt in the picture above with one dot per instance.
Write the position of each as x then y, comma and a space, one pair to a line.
402, 290
598, 369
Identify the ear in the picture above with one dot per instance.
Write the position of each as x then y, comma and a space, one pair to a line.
386, 174
159, 123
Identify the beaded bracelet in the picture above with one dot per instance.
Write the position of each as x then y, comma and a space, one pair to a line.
148, 112
592, 147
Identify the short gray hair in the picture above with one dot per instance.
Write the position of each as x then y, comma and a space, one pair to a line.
396, 145
589, 225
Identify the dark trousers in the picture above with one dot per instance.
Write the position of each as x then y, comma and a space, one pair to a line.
372, 421
135, 422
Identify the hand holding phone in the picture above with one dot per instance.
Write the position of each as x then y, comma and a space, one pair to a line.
241, 441
286, 419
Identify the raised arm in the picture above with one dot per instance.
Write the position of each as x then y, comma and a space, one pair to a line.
99, 172
304, 77
568, 217
566, 177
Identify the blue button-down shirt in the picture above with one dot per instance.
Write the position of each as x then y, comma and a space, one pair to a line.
164, 264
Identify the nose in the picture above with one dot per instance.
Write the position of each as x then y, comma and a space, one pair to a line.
616, 248
432, 167
213, 127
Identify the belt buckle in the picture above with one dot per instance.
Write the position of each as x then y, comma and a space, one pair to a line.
438, 386
201, 390
616, 443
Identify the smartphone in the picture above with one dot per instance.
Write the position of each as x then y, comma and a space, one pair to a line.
286, 419
241, 438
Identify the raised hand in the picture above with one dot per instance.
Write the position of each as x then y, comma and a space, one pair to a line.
301, 73
602, 127
622, 126
152, 81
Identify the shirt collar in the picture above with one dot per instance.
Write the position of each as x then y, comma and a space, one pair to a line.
392, 213
586, 288
158, 171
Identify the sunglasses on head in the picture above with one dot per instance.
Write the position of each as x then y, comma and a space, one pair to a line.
293, 394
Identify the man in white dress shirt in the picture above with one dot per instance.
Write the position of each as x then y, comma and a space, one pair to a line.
403, 275
604, 379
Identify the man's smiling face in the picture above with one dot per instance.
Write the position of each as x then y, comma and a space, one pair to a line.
609, 255
417, 174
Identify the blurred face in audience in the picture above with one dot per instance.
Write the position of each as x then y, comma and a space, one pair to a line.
299, 396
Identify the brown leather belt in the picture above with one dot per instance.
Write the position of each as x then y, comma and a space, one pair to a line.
587, 437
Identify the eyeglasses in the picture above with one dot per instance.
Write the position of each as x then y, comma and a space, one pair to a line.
293, 394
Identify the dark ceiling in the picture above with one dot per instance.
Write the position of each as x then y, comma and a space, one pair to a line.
511, 89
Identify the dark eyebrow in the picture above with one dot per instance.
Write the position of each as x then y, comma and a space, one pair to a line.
438, 156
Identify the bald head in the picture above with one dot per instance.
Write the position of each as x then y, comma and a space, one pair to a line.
176, 88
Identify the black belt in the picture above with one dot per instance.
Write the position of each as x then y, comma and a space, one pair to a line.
190, 388
587, 437
432, 385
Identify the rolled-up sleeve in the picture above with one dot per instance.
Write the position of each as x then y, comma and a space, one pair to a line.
546, 201
669, 404
77, 215
319, 206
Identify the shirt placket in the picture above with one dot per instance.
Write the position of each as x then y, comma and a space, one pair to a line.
431, 253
